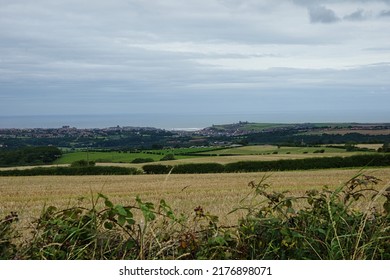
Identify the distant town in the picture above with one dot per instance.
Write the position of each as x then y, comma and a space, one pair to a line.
149, 137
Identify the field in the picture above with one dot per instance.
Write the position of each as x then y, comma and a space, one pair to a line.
216, 193
126, 157
270, 149
346, 131
117, 157
206, 155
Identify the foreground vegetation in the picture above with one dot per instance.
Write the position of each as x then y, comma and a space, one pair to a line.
349, 222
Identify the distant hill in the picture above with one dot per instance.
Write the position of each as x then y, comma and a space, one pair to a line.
243, 128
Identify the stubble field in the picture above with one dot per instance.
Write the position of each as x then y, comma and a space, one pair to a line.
216, 193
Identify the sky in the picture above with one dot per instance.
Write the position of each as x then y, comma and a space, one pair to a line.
295, 60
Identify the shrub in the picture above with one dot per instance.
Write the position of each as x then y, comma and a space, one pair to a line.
197, 168
329, 227
157, 169
142, 160
71, 171
309, 163
7, 236
110, 233
168, 157
82, 163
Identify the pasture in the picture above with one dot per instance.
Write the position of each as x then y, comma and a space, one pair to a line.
124, 156
206, 155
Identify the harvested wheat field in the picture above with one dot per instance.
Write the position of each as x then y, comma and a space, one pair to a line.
216, 193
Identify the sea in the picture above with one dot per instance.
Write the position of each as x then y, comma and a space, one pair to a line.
164, 121
181, 121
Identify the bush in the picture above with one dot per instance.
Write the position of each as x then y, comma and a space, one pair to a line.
142, 160
71, 171
82, 163
330, 227
309, 163
197, 168
157, 169
7, 236
168, 157
111, 233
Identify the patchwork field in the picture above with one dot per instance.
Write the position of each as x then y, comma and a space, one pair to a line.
205, 155
216, 193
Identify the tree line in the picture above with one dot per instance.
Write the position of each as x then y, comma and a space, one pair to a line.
29, 156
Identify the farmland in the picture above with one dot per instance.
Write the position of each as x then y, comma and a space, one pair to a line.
196, 219
178, 215
210, 155
216, 193
125, 156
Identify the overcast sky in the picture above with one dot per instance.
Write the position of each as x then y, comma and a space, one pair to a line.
326, 60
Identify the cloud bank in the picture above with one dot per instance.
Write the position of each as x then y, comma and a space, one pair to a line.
187, 56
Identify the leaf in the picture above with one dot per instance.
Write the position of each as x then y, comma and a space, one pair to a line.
121, 220
288, 203
150, 216
386, 206
120, 210
167, 209
290, 210
130, 221
108, 203
100, 195
108, 225
130, 244
51, 209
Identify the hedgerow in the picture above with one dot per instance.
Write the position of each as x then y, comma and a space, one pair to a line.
276, 165
351, 222
71, 171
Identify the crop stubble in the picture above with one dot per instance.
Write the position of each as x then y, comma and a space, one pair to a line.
216, 193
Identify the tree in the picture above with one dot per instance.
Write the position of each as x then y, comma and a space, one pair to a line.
168, 157
385, 148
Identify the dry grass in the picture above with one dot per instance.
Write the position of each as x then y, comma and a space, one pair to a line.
216, 193
370, 146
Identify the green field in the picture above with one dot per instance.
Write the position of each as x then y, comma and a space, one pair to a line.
115, 157
183, 155
127, 157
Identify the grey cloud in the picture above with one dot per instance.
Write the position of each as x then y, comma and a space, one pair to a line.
83, 51
321, 14
323, 2
385, 13
356, 16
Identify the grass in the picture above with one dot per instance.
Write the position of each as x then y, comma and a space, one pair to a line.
114, 157
127, 157
217, 155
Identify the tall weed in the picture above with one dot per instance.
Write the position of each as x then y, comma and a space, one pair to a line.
331, 224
